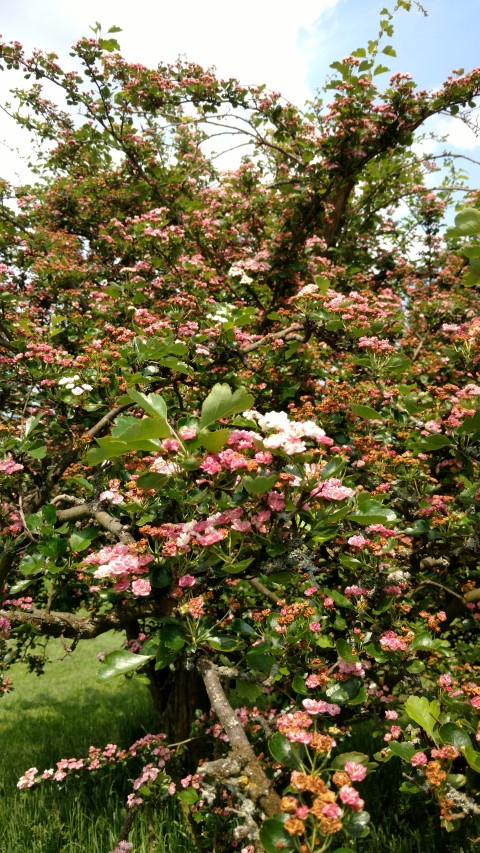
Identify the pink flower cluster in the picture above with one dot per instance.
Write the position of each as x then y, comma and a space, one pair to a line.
110, 754
120, 563
318, 706
332, 490
350, 797
180, 537
9, 466
393, 642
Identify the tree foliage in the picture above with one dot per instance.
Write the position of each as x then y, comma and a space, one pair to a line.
241, 426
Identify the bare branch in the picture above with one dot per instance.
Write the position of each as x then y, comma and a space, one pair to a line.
259, 788
91, 510
70, 625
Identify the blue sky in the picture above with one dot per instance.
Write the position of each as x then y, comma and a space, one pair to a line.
288, 45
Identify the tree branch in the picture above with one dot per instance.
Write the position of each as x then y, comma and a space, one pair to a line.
70, 625
91, 510
259, 788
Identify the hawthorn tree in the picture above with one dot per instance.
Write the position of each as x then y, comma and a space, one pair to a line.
241, 427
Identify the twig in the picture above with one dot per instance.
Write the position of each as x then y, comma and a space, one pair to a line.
260, 587
461, 598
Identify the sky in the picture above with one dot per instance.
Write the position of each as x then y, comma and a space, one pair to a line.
287, 45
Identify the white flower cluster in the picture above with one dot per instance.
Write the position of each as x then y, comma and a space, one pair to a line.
70, 384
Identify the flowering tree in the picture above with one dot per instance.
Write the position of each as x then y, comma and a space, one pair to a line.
241, 427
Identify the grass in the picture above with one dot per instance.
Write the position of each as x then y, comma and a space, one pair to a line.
58, 715
61, 713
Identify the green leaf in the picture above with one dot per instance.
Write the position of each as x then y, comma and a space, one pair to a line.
242, 627
436, 442
31, 564
344, 691
283, 751
380, 69
81, 539
454, 735
365, 412
188, 796
152, 481
221, 403
119, 662
470, 424
340, 761
259, 485
467, 222
424, 641
214, 441
37, 452
356, 825
418, 709
371, 511
389, 50
31, 423
130, 430
224, 644
298, 684
172, 636
274, 836
333, 468
152, 404
260, 662
110, 449
473, 757
346, 652
339, 599
403, 750
247, 690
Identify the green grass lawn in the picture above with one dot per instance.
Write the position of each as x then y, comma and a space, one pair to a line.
59, 714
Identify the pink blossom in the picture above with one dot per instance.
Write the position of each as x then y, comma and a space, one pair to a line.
276, 501
333, 490
391, 715
186, 581
328, 602
314, 706
315, 627
393, 734
391, 641
187, 433
211, 465
111, 496
313, 680
418, 759
28, 779
9, 466
347, 668
302, 812
195, 607
357, 772
211, 536
141, 587
358, 541
351, 797
355, 590
171, 444
311, 590
231, 460
331, 810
